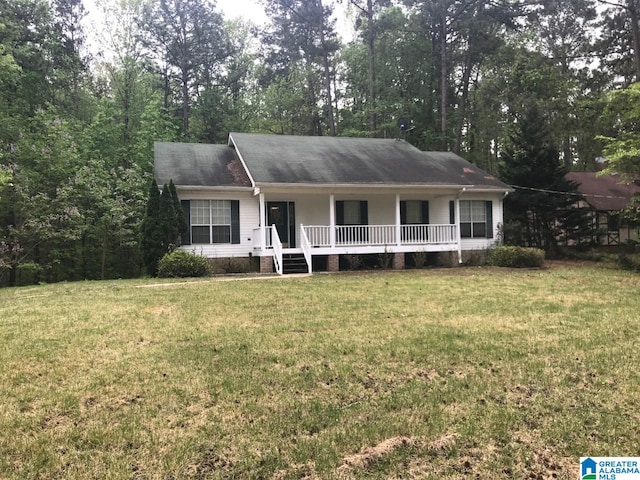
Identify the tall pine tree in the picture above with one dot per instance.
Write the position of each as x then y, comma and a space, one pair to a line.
151, 231
180, 220
168, 220
543, 210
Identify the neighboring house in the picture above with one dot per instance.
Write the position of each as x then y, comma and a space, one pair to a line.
607, 196
271, 196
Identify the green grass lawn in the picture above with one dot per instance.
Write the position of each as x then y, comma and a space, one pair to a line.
443, 374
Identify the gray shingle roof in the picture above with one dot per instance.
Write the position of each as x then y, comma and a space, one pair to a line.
285, 159
296, 160
198, 164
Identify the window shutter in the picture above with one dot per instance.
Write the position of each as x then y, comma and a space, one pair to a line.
339, 212
452, 212
186, 208
364, 214
489, 207
425, 212
235, 221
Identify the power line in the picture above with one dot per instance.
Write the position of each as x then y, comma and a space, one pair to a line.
575, 194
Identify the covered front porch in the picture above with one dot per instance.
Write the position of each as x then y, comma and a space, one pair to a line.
380, 223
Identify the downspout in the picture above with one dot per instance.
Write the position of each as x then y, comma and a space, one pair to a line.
263, 221
501, 240
464, 189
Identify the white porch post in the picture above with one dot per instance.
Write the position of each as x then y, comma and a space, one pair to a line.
332, 220
398, 220
263, 221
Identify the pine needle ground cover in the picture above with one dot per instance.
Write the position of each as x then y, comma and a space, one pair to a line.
443, 374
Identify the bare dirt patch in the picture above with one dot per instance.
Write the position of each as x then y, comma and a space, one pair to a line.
443, 444
369, 455
546, 464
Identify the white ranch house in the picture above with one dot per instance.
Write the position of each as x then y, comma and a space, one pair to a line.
300, 199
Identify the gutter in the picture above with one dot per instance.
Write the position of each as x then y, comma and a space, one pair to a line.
228, 188
370, 185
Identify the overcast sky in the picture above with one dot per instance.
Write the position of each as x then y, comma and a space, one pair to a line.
247, 9
252, 10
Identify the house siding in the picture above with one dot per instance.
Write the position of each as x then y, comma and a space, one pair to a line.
439, 209
249, 220
484, 243
313, 209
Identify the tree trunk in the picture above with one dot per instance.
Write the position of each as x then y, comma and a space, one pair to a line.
327, 74
185, 102
314, 121
635, 34
443, 81
165, 76
372, 69
466, 77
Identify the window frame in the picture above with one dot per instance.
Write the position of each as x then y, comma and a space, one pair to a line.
213, 228
476, 221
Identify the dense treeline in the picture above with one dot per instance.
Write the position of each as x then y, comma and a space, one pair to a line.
77, 128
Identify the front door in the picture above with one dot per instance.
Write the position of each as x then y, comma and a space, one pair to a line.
282, 215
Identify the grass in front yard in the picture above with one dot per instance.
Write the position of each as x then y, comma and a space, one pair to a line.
461, 373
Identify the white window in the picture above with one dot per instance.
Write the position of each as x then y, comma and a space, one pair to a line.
210, 221
473, 219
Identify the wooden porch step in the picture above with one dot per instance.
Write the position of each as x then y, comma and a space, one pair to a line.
294, 263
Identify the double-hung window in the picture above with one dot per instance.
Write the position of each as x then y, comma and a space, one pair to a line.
476, 219
210, 221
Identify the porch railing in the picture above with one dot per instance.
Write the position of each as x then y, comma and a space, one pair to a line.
277, 249
354, 235
318, 235
429, 234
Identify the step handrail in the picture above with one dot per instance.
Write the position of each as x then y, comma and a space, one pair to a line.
277, 249
306, 248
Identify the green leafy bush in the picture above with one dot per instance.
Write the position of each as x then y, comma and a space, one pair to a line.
516, 257
28, 273
183, 264
629, 262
